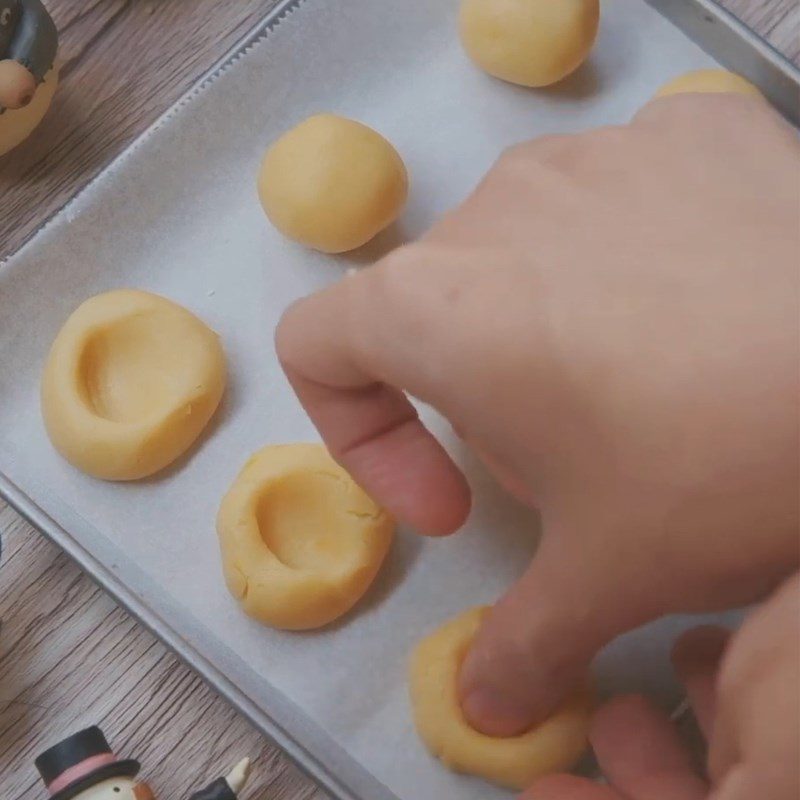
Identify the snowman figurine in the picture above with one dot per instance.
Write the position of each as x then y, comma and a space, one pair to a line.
28, 44
83, 767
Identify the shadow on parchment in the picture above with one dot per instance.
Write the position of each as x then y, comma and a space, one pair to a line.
513, 527
586, 81
376, 248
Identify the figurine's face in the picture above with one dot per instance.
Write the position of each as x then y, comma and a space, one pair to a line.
8, 20
6, 13
111, 789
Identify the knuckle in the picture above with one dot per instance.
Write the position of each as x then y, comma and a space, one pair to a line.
737, 667
409, 290
609, 136
564, 153
536, 149
704, 116
396, 274
517, 155
375, 299
285, 335
590, 148
400, 260
513, 154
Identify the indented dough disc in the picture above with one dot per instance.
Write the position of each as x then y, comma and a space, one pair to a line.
529, 42
709, 81
130, 382
16, 126
301, 542
514, 762
332, 183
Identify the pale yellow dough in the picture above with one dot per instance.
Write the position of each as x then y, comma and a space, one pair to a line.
16, 126
529, 42
709, 81
130, 382
554, 746
301, 542
332, 183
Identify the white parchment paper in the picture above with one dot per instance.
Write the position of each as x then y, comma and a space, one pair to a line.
179, 216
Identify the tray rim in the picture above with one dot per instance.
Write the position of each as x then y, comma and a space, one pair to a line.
711, 10
41, 521
251, 37
125, 597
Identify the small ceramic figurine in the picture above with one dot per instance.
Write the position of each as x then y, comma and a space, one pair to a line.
28, 45
83, 767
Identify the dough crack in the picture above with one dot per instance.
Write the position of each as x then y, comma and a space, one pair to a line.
371, 515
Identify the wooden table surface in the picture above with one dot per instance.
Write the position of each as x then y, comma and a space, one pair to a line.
68, 656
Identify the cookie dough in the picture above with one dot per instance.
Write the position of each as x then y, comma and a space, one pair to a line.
709, 81
16, 126
529, 42
332, 183
130, 382
301, 542
554, 746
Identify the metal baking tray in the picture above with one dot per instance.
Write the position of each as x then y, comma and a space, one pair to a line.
160, 215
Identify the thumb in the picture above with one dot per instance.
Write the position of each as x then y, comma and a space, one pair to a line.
536, 643
568, 787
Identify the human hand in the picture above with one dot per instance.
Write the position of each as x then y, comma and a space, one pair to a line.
748, 706
610, 321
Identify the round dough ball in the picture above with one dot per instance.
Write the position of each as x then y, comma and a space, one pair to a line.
514, 762
332, 183
130, 382
16, 126
709, 81
301, 542
529, 42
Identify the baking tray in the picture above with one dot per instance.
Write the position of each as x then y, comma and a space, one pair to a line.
176, 213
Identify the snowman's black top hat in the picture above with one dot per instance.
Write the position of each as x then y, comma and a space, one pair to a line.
79, 762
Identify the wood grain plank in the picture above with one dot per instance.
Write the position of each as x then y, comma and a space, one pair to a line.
778, 21
68, 656
124, 62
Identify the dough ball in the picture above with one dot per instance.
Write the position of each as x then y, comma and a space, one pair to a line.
709, 81
130, 382
301, 542
332, 183
16, 126
514, 762
529, 42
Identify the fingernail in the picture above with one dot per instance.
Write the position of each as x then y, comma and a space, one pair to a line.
494, 714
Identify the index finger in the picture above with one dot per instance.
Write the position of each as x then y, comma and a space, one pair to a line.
351, 352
